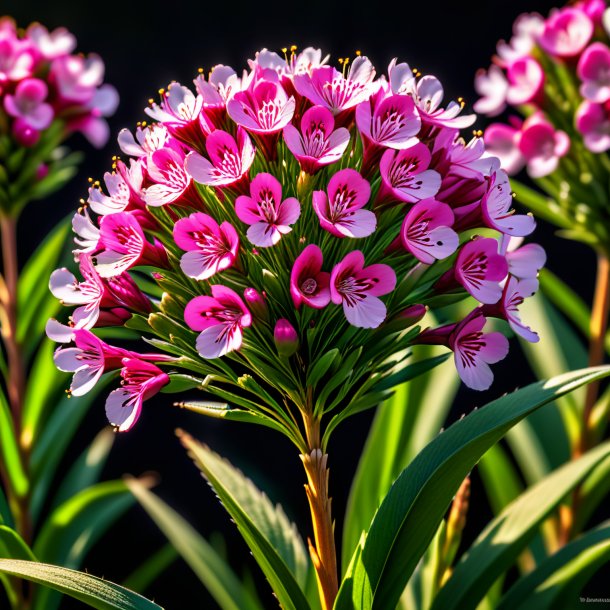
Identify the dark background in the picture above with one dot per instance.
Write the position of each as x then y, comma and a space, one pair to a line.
147, 44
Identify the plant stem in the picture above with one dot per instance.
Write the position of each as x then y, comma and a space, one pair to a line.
16, 378
598, 327
323, 553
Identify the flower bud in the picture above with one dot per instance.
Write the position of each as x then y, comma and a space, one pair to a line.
411, 315
256, 304
285, 337
24, 134
42, 171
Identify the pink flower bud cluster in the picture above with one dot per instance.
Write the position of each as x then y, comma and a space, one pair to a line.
264, 219
555, 71
42, 80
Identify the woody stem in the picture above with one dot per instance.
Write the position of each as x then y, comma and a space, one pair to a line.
322, 550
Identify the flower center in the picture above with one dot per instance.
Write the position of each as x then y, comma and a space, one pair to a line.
309, 286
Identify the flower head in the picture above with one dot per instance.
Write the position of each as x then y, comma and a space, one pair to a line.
308, 283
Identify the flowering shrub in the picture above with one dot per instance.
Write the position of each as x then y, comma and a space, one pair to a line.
554, 72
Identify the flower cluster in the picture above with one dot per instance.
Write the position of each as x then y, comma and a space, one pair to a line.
277, 236
556, 73
41, 80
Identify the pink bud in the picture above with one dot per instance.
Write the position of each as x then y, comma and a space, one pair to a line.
24, 134
42, 171
256, 303
412, 315
285, 337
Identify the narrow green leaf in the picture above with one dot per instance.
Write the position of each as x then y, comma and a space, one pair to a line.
500, 478
12, 545
542, 206
321, 367
93, 591
9, 450
6, 518
556, 583
497, 547
272, 538
215, 574
408, 518
593, 492
143, 576
86, 470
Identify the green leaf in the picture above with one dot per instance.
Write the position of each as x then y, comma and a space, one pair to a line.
496, 548
93, 591
556, 583
541, 205
6, 518
215, 574
403, 424
142, 577
34, 284
272, 538
321, 367
86, 470
12, 545
408, 518
74, 527
9, 450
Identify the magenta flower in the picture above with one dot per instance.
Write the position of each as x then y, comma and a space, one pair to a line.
166, 169
268, 216
388, 121
220, 318
496, 208
285, 338
146, 141
28, 104
526, 81
514, 293
263, 108
492, 86
405, 175
566, 32
594, 72
475, 350
210, 248
88, 360
524, 262
480, 269
125, 246
77, 77
229, 160
308, 283
16, 57
426, 231
53, 44
542, 145
340, 212
141, 381
317, 144
526, 29
358, 289
593, 122
118, 197
326, 86
502, 141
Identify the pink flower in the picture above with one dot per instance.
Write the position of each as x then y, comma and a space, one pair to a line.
526, 81
146, 141
542, 146
475, 350
594, 72
210, 248
426, 231
388, 121
166, 168
480, 269
405, 175
141, 381
514, 293
524, 262
401, 78
593, 122
16, 58
77, 77
125, 245
526, 29
308, 283
358, 289
492, 86
220, 318
87, 234
229, 160
285, 338
317, 144
496, 208
53, 44
566, 32
502, 141
326, 86
341, 212
117, 199
88, 360
268, 216
28, 104
263, 108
